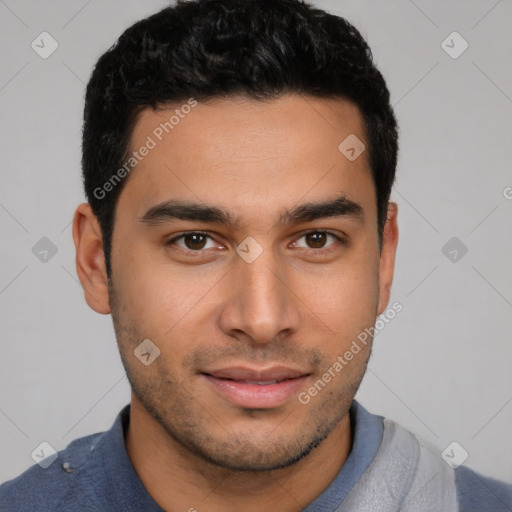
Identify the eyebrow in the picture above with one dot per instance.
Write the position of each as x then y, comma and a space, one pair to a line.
306, 212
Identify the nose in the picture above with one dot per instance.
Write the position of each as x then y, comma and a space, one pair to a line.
260, 302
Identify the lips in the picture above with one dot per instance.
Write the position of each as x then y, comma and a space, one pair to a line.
259, 382
239, 373
256, 388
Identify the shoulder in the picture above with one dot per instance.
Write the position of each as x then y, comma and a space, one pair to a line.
66, 484
476, 492
472, 491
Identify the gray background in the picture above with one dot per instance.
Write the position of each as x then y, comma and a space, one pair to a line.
441, 367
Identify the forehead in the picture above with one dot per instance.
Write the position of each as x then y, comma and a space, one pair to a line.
249, 155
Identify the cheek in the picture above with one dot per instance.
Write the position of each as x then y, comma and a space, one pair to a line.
345, 297
161, 299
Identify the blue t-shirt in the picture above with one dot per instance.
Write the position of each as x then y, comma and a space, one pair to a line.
94, 473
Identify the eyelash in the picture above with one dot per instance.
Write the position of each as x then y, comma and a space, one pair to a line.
338, 239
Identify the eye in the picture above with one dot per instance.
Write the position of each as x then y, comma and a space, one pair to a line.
317, 240
193, 241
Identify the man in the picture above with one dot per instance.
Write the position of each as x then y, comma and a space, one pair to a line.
238, 159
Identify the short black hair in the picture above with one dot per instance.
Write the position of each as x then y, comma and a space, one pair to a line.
205, 49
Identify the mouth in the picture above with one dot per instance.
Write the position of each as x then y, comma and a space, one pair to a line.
256, 388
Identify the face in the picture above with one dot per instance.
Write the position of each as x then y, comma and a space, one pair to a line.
246, 249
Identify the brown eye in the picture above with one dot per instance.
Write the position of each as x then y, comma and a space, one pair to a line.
316, 240
195, 241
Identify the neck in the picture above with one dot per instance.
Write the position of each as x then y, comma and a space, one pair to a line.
179, 480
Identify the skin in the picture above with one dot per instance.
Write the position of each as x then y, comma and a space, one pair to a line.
208, 307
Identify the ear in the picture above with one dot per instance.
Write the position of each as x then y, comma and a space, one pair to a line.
90, 259
387, 256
